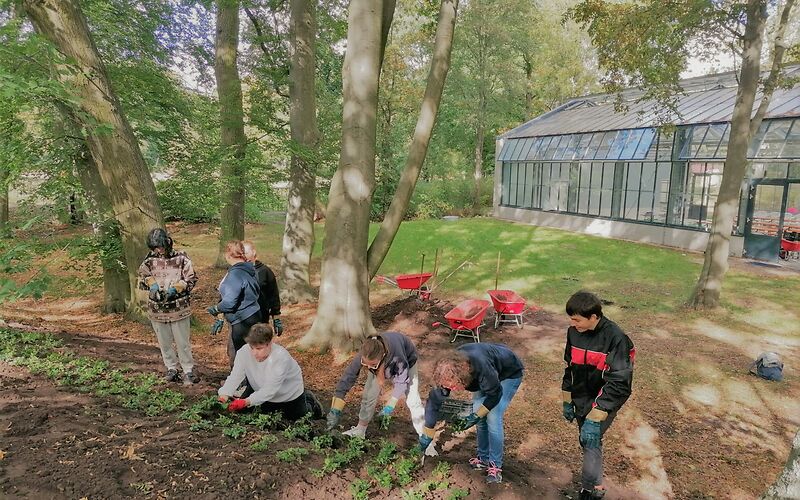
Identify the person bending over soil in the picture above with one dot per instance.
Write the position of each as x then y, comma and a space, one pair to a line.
391, 357
597, 382
493, 373
274, 379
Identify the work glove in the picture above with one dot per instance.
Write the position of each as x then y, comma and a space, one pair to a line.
155, 293
237, 405
424, 442
590, 434
172, 293
212, 310
333, 419
217, 326
466, 422
385, 416
277, 325
568, 411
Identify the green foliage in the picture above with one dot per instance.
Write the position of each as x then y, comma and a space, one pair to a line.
262, 421
337, 459
359, 489
264, 443
300, 429
321, 442
404, 468
380, 475
292, 455
457, 494
234, 431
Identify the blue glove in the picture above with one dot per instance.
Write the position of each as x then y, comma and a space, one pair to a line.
333, 418
155, 293
465, 423
212, 310
172, 293
424, 442
590, 434
217, 326
569, 411
277, 325
385, 416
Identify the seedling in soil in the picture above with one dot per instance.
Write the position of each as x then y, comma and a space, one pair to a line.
202, 425
458, 494
404, 467
300, 429
386, 421
322, 441
263, 421
382, 477
386, 453
234, 431
264, 443
359, 489
337, 459
292, 455
202, 409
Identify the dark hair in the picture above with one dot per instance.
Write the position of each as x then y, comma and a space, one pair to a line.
235, 249
259, 334
158, 237
452, 365
373, 348
584, 304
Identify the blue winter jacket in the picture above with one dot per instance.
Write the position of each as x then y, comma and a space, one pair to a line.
239, 292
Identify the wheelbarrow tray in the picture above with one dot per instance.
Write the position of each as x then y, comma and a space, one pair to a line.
790, 246
467, 315
412, 281
453, 408
506, 301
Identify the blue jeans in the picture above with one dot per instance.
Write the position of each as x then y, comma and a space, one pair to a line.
490, 429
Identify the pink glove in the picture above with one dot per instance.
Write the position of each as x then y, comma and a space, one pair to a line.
237, 405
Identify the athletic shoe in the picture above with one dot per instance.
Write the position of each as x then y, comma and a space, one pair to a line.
313, 405
478, 464
172, 375
356, 431
494, 475
190, 378
593, 494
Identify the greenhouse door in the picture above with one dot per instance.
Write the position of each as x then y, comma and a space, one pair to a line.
765, 209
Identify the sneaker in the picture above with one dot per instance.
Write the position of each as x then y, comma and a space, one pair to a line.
190, 378
313, 405
356, 431
478, 464
494, 475
172, 375
594, 494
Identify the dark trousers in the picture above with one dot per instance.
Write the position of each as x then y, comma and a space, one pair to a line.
291, 410
592, 471
238, 333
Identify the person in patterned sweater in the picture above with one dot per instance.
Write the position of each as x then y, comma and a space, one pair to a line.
597, 381
169, 278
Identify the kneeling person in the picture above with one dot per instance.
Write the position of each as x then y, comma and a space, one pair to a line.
275, 379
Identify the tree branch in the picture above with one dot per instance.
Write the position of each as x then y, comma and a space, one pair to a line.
260, 33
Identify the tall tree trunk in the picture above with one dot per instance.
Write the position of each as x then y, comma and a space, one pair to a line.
116, 152
709, 285
298, 237
232, 138
440, 65
4, 175
343, 315
788, 483
480, 134
527, 64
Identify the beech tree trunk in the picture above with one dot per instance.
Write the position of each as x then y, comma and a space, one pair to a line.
343, 315
788, 483
3, 198
232, 138
113, 147
298, 237
440, 65
708, 289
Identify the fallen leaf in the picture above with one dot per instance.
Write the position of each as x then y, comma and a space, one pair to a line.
2, 454
130, 453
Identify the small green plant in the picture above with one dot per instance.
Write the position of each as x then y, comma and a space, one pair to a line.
386, 421
201, 409
234, 431
457, 494
337, 459
202, 425
262, 421
359, 489
322, 441
264, 443
386, 453
380, 475
404, 467
292, 455
300, 429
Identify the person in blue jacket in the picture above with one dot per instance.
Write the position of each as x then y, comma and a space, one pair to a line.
493, 373
238, 303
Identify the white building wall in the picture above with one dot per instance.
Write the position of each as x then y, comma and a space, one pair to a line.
644, 233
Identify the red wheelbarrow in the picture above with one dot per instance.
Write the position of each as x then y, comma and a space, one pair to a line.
466, 319
508, 307
415, 283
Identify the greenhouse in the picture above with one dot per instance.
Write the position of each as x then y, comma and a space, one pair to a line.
585, 167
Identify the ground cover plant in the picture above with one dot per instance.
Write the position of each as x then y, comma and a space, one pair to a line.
690, 382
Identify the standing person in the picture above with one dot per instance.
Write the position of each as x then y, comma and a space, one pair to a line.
493, 373
391, 357
169, 278
597, 381
238, 303
269, 299
274, 379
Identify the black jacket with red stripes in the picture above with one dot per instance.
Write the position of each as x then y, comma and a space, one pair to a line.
599, 370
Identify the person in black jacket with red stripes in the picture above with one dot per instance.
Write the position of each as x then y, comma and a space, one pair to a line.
597, 381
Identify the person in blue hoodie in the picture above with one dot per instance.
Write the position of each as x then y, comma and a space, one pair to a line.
492, 373
238, 303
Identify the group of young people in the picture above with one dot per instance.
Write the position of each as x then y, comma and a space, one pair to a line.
597, 378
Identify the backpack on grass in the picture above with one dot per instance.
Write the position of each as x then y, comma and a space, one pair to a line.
768, 366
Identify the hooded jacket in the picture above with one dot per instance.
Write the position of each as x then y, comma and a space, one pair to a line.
239, 292
173, 270
599, 371
269, 299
